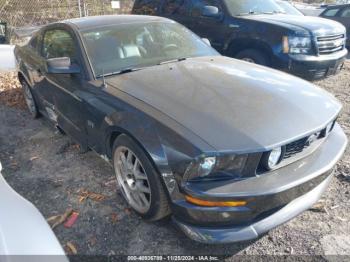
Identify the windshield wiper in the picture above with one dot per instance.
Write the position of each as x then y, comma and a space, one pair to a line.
249, 13
274, 12
120, 72
172, 61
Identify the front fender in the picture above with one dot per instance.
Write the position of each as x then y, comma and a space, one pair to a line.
165, 147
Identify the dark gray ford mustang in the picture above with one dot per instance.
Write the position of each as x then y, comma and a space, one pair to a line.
229, 148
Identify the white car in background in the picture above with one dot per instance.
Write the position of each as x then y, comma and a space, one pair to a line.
24, 232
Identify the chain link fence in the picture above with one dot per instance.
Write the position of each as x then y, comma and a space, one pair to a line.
23, 15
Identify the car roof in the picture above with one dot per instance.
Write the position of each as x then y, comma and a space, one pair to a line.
106, 20
337, 6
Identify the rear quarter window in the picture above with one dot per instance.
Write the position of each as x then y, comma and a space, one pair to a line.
33, 43
146, 7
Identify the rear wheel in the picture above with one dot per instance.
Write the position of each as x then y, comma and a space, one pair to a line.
253, 56
138, 180
29, 98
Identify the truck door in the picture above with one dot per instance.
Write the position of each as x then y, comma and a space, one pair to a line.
210, 27
178, 10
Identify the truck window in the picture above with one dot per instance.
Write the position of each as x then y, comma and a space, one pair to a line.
172, 7
345, 13
331, 12
146, 7
198, 6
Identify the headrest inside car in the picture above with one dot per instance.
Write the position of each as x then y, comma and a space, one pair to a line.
131, 51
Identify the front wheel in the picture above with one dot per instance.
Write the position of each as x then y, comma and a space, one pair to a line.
138, 180
253, 56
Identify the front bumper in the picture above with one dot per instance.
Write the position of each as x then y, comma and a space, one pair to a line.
273, 198
316, 67
236, 234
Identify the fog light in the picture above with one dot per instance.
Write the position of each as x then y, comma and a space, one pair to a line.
205, 203
274, 157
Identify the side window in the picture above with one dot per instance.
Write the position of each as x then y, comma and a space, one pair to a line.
172, 7
146, 7
331, 12
198, 6
345, 13
58, 43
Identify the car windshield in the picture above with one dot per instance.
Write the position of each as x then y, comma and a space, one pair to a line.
289, 8
116, 48
246, 7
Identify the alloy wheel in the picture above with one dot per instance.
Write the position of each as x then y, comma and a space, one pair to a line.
132, 179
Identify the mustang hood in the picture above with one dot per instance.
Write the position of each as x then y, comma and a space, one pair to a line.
316, 25
232, 105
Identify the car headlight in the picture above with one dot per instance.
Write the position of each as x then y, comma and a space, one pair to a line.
211, 166
296, 44
206, 165
273, 158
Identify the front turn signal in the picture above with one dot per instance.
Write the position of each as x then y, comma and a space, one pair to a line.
206, 203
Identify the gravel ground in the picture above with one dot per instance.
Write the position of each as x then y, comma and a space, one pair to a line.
46, 168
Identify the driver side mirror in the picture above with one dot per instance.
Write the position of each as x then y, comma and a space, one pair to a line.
211, 11
62, 65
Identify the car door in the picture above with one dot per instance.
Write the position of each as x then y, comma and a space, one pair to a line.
212, 28
344, 18
180, 11
66, 107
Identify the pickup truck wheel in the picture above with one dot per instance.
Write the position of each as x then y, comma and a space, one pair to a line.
138, 180
253, 56
29, 98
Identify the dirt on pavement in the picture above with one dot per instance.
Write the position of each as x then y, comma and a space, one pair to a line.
45, 167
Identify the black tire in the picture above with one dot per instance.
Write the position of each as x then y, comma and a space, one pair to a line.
28, 95
159, 205
253, 56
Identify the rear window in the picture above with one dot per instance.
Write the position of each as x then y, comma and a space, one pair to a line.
146, 7
331, 12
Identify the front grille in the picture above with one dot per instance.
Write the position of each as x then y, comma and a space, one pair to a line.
299, 149
296, 147
330, 44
